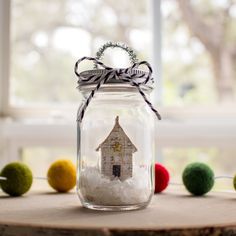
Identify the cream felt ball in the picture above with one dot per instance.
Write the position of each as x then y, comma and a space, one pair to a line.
19, 179
62, 175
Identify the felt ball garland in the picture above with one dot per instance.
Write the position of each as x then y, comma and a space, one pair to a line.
198, 178
16, 178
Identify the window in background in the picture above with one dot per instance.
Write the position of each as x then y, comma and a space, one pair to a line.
199, 52
47, 37
198, 59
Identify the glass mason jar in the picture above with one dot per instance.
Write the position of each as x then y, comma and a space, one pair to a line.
115, 146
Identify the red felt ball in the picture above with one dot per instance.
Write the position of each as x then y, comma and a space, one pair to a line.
161, 178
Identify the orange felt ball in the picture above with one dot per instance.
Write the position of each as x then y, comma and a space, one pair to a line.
162, 178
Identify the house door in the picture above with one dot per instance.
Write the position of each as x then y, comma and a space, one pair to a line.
116, 170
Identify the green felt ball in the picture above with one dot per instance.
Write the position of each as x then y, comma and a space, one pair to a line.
235, 182
19, 179
198, 178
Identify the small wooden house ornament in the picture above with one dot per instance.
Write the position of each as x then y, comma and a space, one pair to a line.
117, 154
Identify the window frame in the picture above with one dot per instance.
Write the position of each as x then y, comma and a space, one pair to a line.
156, 27
4, 55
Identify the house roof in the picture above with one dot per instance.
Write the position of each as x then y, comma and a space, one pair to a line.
120, 129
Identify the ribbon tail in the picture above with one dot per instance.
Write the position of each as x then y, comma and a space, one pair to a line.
148, 102
88, 100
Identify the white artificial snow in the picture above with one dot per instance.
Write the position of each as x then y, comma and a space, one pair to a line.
100, 190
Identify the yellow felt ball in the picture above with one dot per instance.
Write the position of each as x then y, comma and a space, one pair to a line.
62, 175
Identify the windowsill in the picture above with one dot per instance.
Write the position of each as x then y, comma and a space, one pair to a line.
193, 132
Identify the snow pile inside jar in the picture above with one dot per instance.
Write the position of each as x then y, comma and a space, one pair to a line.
102, 191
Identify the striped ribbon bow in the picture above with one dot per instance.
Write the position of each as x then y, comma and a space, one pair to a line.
127, 75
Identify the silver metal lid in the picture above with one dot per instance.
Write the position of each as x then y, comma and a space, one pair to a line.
115, 81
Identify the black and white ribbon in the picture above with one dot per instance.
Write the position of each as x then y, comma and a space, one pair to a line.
127, 75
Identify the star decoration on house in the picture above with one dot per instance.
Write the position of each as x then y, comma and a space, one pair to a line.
116, 147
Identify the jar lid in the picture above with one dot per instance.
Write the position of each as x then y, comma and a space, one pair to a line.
90, 75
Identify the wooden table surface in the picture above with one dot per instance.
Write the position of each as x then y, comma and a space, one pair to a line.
171, 213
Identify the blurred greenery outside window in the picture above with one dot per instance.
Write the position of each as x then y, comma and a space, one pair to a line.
198, 48
199, 52
45, 49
